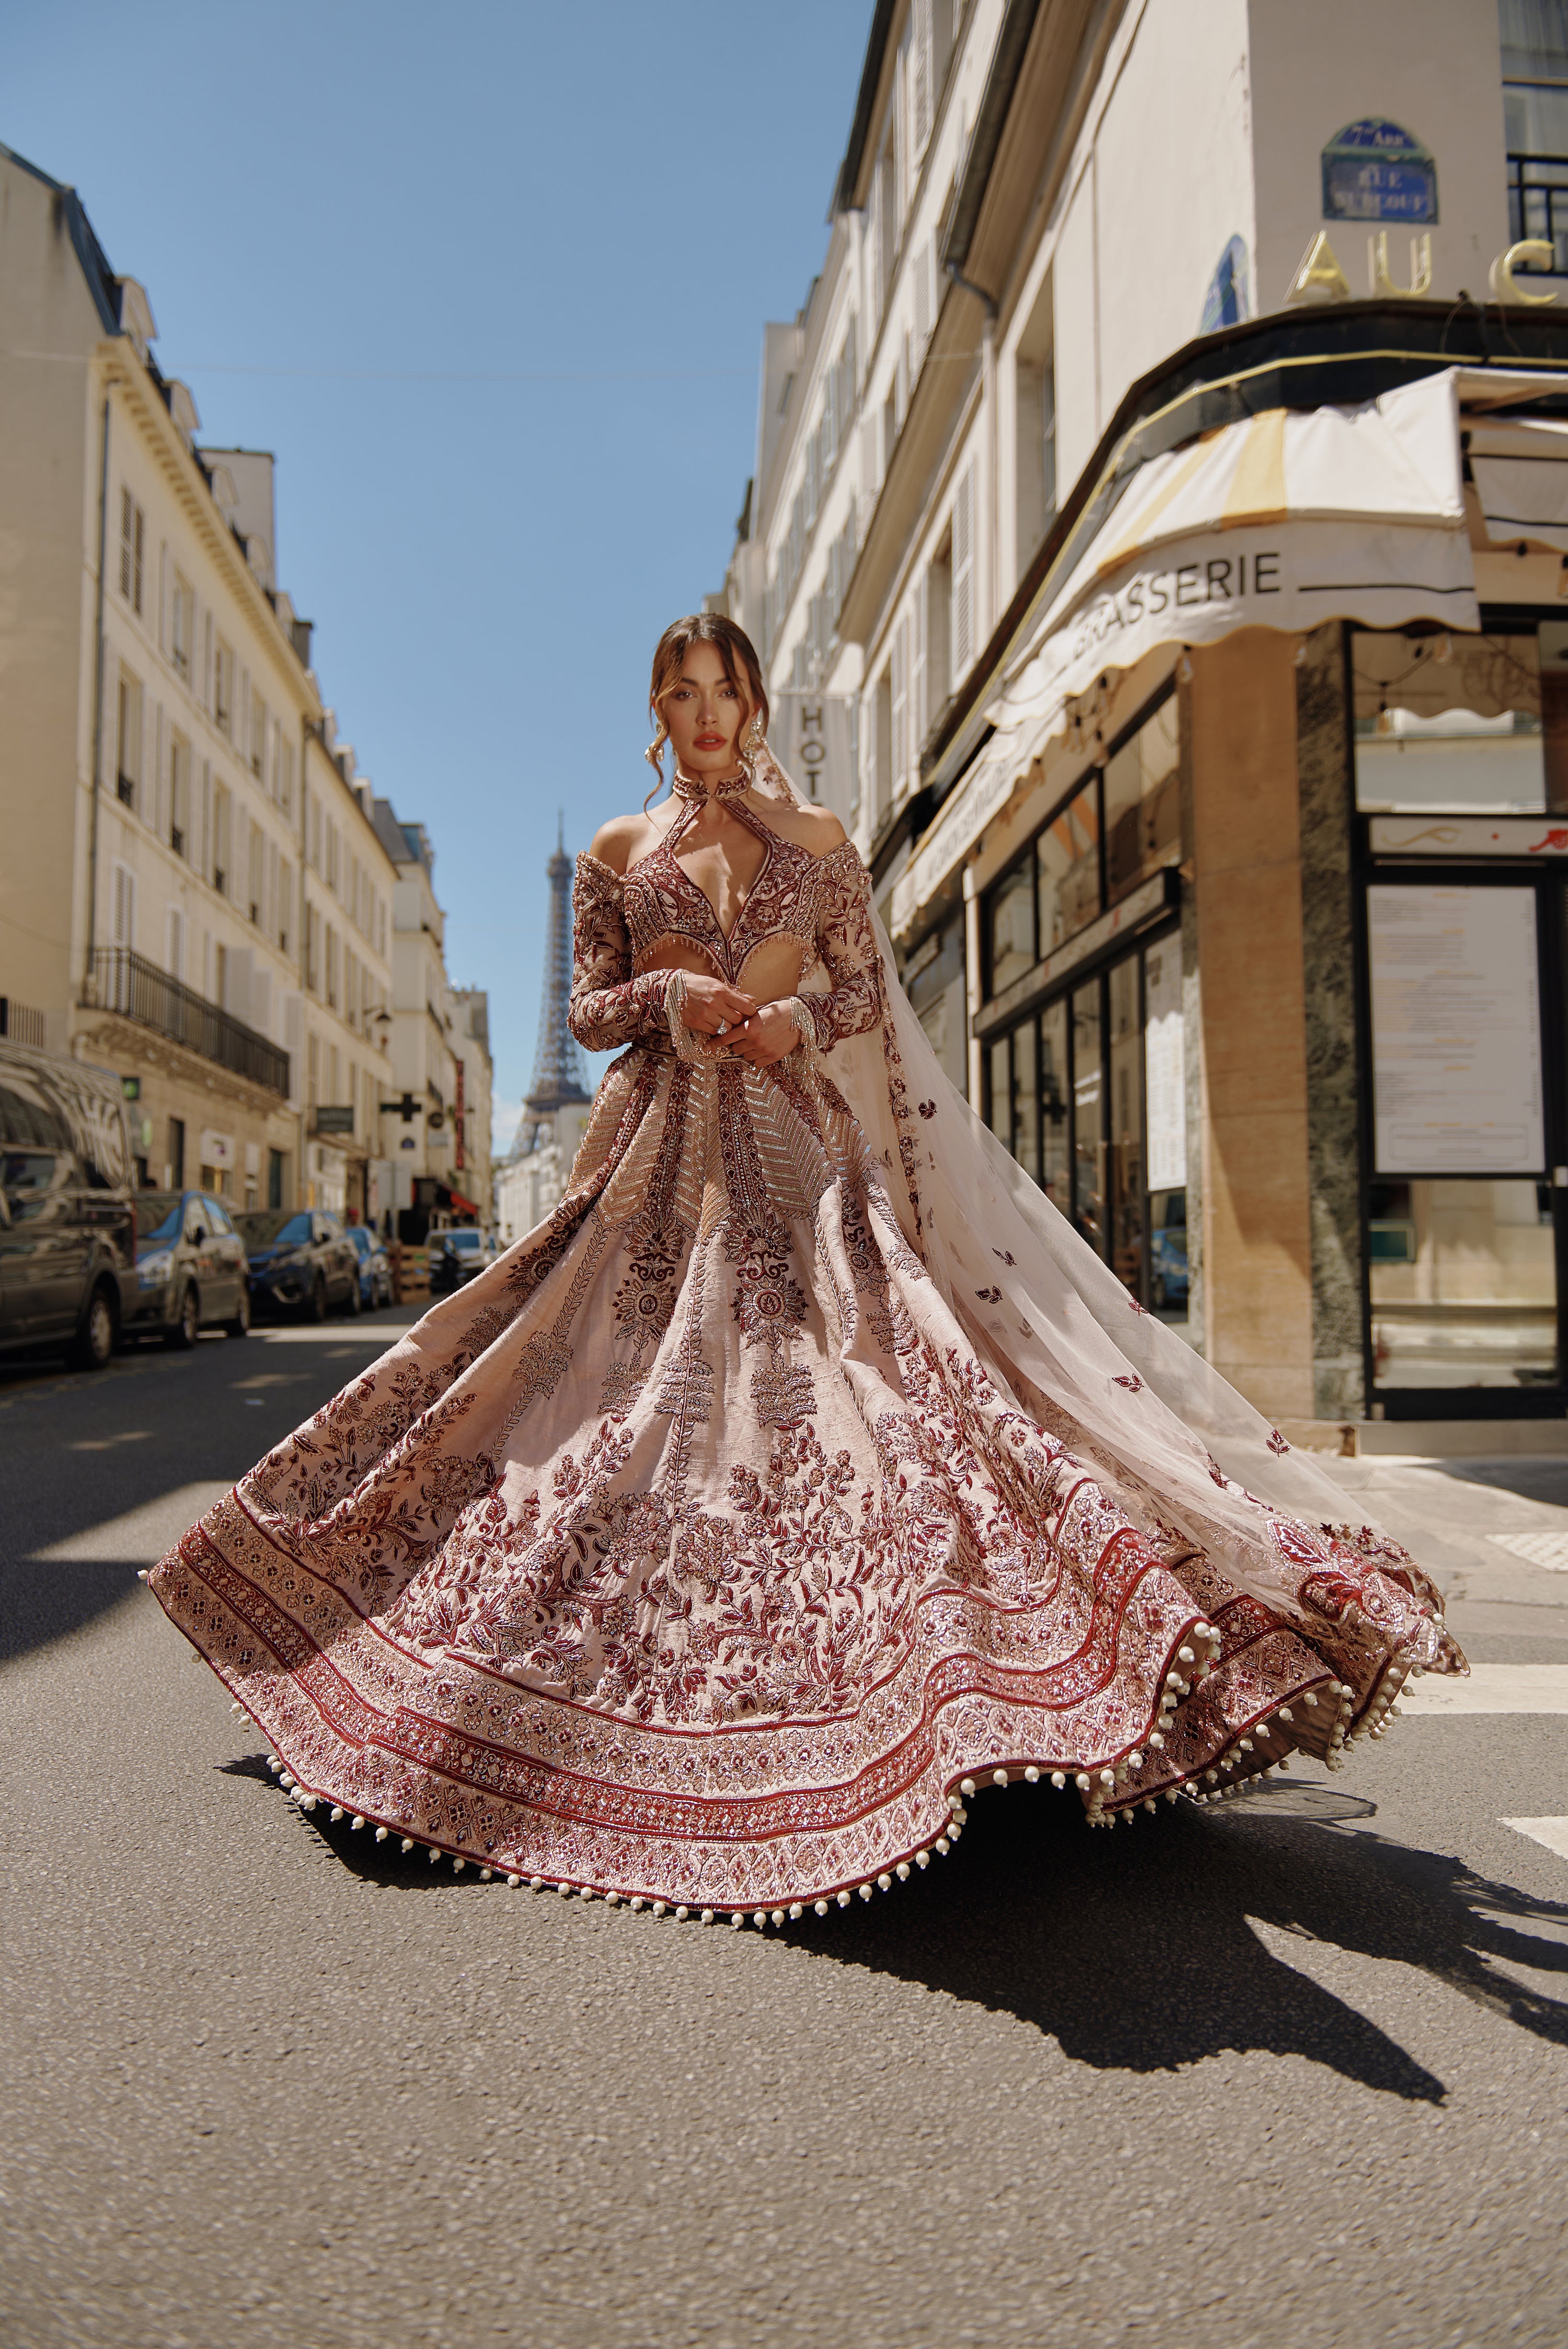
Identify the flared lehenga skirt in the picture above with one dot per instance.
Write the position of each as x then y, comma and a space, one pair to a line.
701, 1551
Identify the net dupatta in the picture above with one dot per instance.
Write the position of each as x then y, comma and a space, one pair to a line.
1191, 1463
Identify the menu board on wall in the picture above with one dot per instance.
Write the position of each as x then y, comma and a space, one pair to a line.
1456, 1031
1164, 1068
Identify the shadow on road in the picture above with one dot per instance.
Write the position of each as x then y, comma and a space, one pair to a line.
1138, 1951
84, 1454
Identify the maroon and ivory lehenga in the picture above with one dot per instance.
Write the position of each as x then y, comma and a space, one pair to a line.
801, 1470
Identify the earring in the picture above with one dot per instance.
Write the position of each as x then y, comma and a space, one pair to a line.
655, 753
756, 732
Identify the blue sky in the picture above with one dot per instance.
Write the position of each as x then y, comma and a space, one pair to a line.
490, 280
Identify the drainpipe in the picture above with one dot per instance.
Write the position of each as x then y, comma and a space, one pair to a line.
89, 973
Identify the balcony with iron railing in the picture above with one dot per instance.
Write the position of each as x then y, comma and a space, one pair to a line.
126, 983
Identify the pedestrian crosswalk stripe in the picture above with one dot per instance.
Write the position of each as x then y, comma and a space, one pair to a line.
1490, 1688
1553, 1832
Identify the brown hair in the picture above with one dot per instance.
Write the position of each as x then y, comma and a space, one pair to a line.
741, 667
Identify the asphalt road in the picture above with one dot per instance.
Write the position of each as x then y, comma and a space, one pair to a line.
1285, 2071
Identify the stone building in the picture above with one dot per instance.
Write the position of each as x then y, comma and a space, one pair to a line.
436, 1118
191, 893
1182, 545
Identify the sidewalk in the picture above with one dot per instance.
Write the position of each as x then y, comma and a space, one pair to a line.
1493, 1532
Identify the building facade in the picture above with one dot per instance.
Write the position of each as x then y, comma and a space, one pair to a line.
1160, 481
192, 894
435, 1121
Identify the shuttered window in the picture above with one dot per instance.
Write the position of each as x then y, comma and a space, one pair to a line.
900, 705
964, 573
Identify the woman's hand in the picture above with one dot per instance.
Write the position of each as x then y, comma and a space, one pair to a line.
765, 1036
712, 1009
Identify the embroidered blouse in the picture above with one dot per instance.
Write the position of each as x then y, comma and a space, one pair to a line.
620, 920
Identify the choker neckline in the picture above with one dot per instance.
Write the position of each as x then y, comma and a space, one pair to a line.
696, 793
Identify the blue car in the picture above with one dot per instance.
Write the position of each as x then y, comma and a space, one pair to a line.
374, 1266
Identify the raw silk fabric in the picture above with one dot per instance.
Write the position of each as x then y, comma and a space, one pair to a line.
802, 1462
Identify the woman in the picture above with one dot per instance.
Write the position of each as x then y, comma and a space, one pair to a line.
804, 1466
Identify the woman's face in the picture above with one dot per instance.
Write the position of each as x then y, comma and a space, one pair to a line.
705, 714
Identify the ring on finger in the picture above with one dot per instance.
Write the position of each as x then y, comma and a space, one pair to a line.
722, 1028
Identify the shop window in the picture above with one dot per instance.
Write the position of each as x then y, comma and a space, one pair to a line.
1055, 1135
1067, 883
1011, 921
1126, 1204
1134, 805
1463, 1284
1144, 802
934, 982
1089, 1114
1088, 1094
1461, 723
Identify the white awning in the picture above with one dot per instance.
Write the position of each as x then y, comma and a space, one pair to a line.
1280, 521
1283, 522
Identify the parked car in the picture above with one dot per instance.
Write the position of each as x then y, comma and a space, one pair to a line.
67, 1252
302, 1262
191, 1268
374, 1266
458, 1257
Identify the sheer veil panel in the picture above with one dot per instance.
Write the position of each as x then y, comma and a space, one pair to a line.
1182, 1452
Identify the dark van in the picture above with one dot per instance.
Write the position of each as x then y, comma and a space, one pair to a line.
68, 1234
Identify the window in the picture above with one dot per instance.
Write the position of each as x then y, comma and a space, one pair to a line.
900, 706
182, 627
179, 795
938, 635
223, 813
882, 748
132, 549
258, 736
174, 1172
256, 872
174, 959
277, 1163
1535, 121
224, 690
1046, 895
935, 980
1035, 452
1089, 1095
127, 738
1143, 804
1461, 724
124, 906
286, 902
964, 573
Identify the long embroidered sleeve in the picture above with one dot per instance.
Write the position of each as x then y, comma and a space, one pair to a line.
608, 1006
846, 941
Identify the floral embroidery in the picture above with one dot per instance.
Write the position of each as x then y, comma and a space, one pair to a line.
1277, 1442
811, 1517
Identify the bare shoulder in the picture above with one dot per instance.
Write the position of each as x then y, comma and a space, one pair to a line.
810, 827
619, 843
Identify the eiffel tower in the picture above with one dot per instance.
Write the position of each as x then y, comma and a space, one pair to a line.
558, 1071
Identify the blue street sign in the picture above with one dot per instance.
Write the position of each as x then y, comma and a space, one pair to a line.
1376, 170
